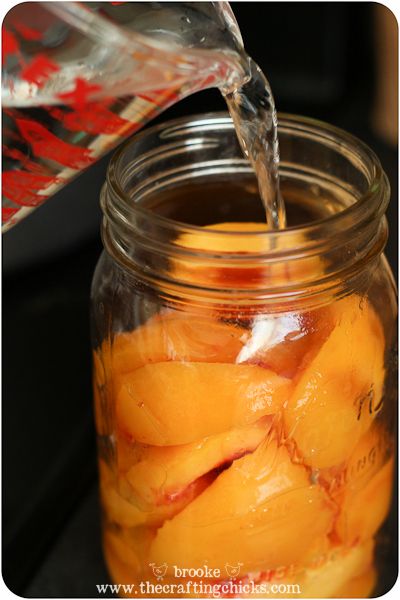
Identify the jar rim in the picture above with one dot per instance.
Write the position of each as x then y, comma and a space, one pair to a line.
372, 203
147, 244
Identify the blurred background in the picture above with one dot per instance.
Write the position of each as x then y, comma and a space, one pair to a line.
335, 61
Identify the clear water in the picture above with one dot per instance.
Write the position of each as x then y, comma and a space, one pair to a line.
253, 112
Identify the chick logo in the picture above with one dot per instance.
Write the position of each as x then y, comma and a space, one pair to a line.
233, 571
160, 571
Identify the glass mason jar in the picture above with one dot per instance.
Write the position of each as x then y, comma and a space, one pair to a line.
244, 378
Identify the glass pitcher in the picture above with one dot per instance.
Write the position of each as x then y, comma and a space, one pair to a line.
79, 77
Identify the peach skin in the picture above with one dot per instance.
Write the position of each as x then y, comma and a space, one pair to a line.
120, 509
162, 472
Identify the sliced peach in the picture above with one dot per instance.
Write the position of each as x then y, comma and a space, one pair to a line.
364, 510
128, 452
119, 572
248, 240
337, 397
262, 512
163, 472
361, 586
207, 238
175, 336
172, 403
126, 557
286, 342
370, 454
120, 508
117, 547
343, 567
335, 572
326, 580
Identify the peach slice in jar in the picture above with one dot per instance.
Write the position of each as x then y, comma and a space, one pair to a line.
361, 586
286, 342
122, 562
370, 454
116, 508
173, 335
120, 507
278, 342
338, 395
362, 488
130, 546
125, 551
173, 403
344, 565
247, 241
373, 450
261, 511
363, 510
127, 451
163, 472
340, 568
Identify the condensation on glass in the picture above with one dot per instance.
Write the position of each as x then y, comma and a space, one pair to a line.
243, 378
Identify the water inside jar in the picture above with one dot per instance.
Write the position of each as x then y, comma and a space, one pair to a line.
69, 97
